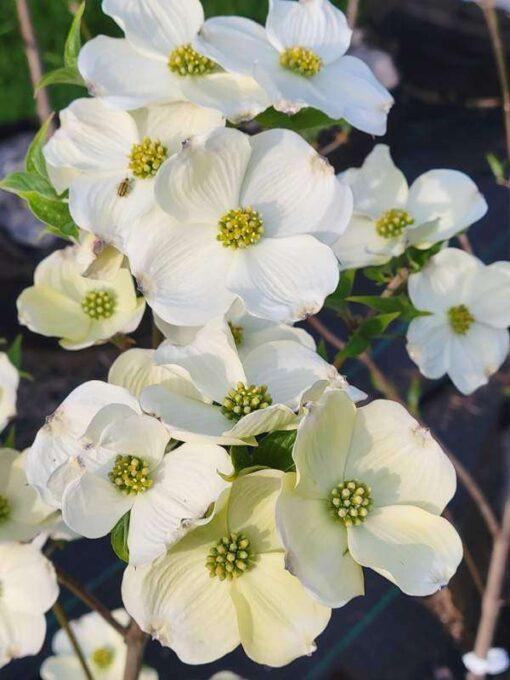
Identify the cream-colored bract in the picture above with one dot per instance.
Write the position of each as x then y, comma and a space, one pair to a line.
464, 333
9, 382
104, 650
407, 481
438, 205
316, 32
201, 617
135, 71
80, 311
29, 589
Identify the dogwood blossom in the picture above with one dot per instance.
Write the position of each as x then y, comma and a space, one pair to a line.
109, 160
299, 59
9, 381
369, 490
225, 584
236, 400
246, 217
53, 459
103, 647
28, 589
136, 369
22, 513
96, 259
389, 216
156, 62
80, 311
126, 470
465, 332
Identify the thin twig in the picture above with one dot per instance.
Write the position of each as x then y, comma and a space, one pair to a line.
396, 282
465, 243
468, 558
90, 600
352, 12
33, 56
136, 641
492, 600
64, 624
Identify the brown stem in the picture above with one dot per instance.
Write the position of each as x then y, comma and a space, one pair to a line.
136, 640
465, 243
33, 58
492, 598
352, 12
90, 600
64, 624
398, 280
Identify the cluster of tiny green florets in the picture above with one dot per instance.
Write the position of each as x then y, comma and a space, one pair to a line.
186, 61
5, 509
103, 657
99, 304
240, 228
244, 399
147, 157
393, 223
230, 557
130, 475
302, 61
351, 502
460, 319
237, 333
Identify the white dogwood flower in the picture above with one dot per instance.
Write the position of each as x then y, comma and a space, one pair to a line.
9, 382
80, 311
136, 369
235, 400
22, 512
299, 59
28, 588
389, 216
157, 63
103, 647
109, 159
465, 332
246, 217
225, 584
371, 486
126, 470
52, 460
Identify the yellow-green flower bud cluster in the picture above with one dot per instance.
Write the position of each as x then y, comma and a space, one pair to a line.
240, 228
230, 557
393, 222
99, 304
186, 61
302, 61
460, 319
146, 158
130, 475
245, 399
351, 502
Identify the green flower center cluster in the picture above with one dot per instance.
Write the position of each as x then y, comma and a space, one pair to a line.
130, 475
99, 304
302, 61
245, 399
351, 502
240, 228
147, 157
186, 61
5, 509
237, 333
103, 657
230, 557
393, 222
460, 319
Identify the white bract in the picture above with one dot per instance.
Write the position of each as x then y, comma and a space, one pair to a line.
225, 584
126, 470
80, 311
9, 382
136, 369
28, 588
299, 60
389, 216
104, 650
53, 459
22, 513
245, 217
369, 490
234, 400
156, 62
109, 160
465, 332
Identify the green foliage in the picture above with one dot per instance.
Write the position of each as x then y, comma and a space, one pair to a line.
498, 167
275, 451
365, 334
119, 538
398, 304
14, 352
35, 162
322, 350
308, 122
10, 441
240, 457
337, 300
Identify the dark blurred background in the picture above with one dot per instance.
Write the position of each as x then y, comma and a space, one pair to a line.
438, 56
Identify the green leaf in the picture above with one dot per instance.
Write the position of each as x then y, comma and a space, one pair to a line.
35, 161
400, 303
14, 352
119, 538
54, 213
73, 42
241, 458
497, 167
381, 274
336, 300
21, 183
362, 338
10, 440
322, 350
67, 75
275, 451
306, 119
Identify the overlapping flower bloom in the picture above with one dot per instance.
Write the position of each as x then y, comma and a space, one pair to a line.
9, 381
